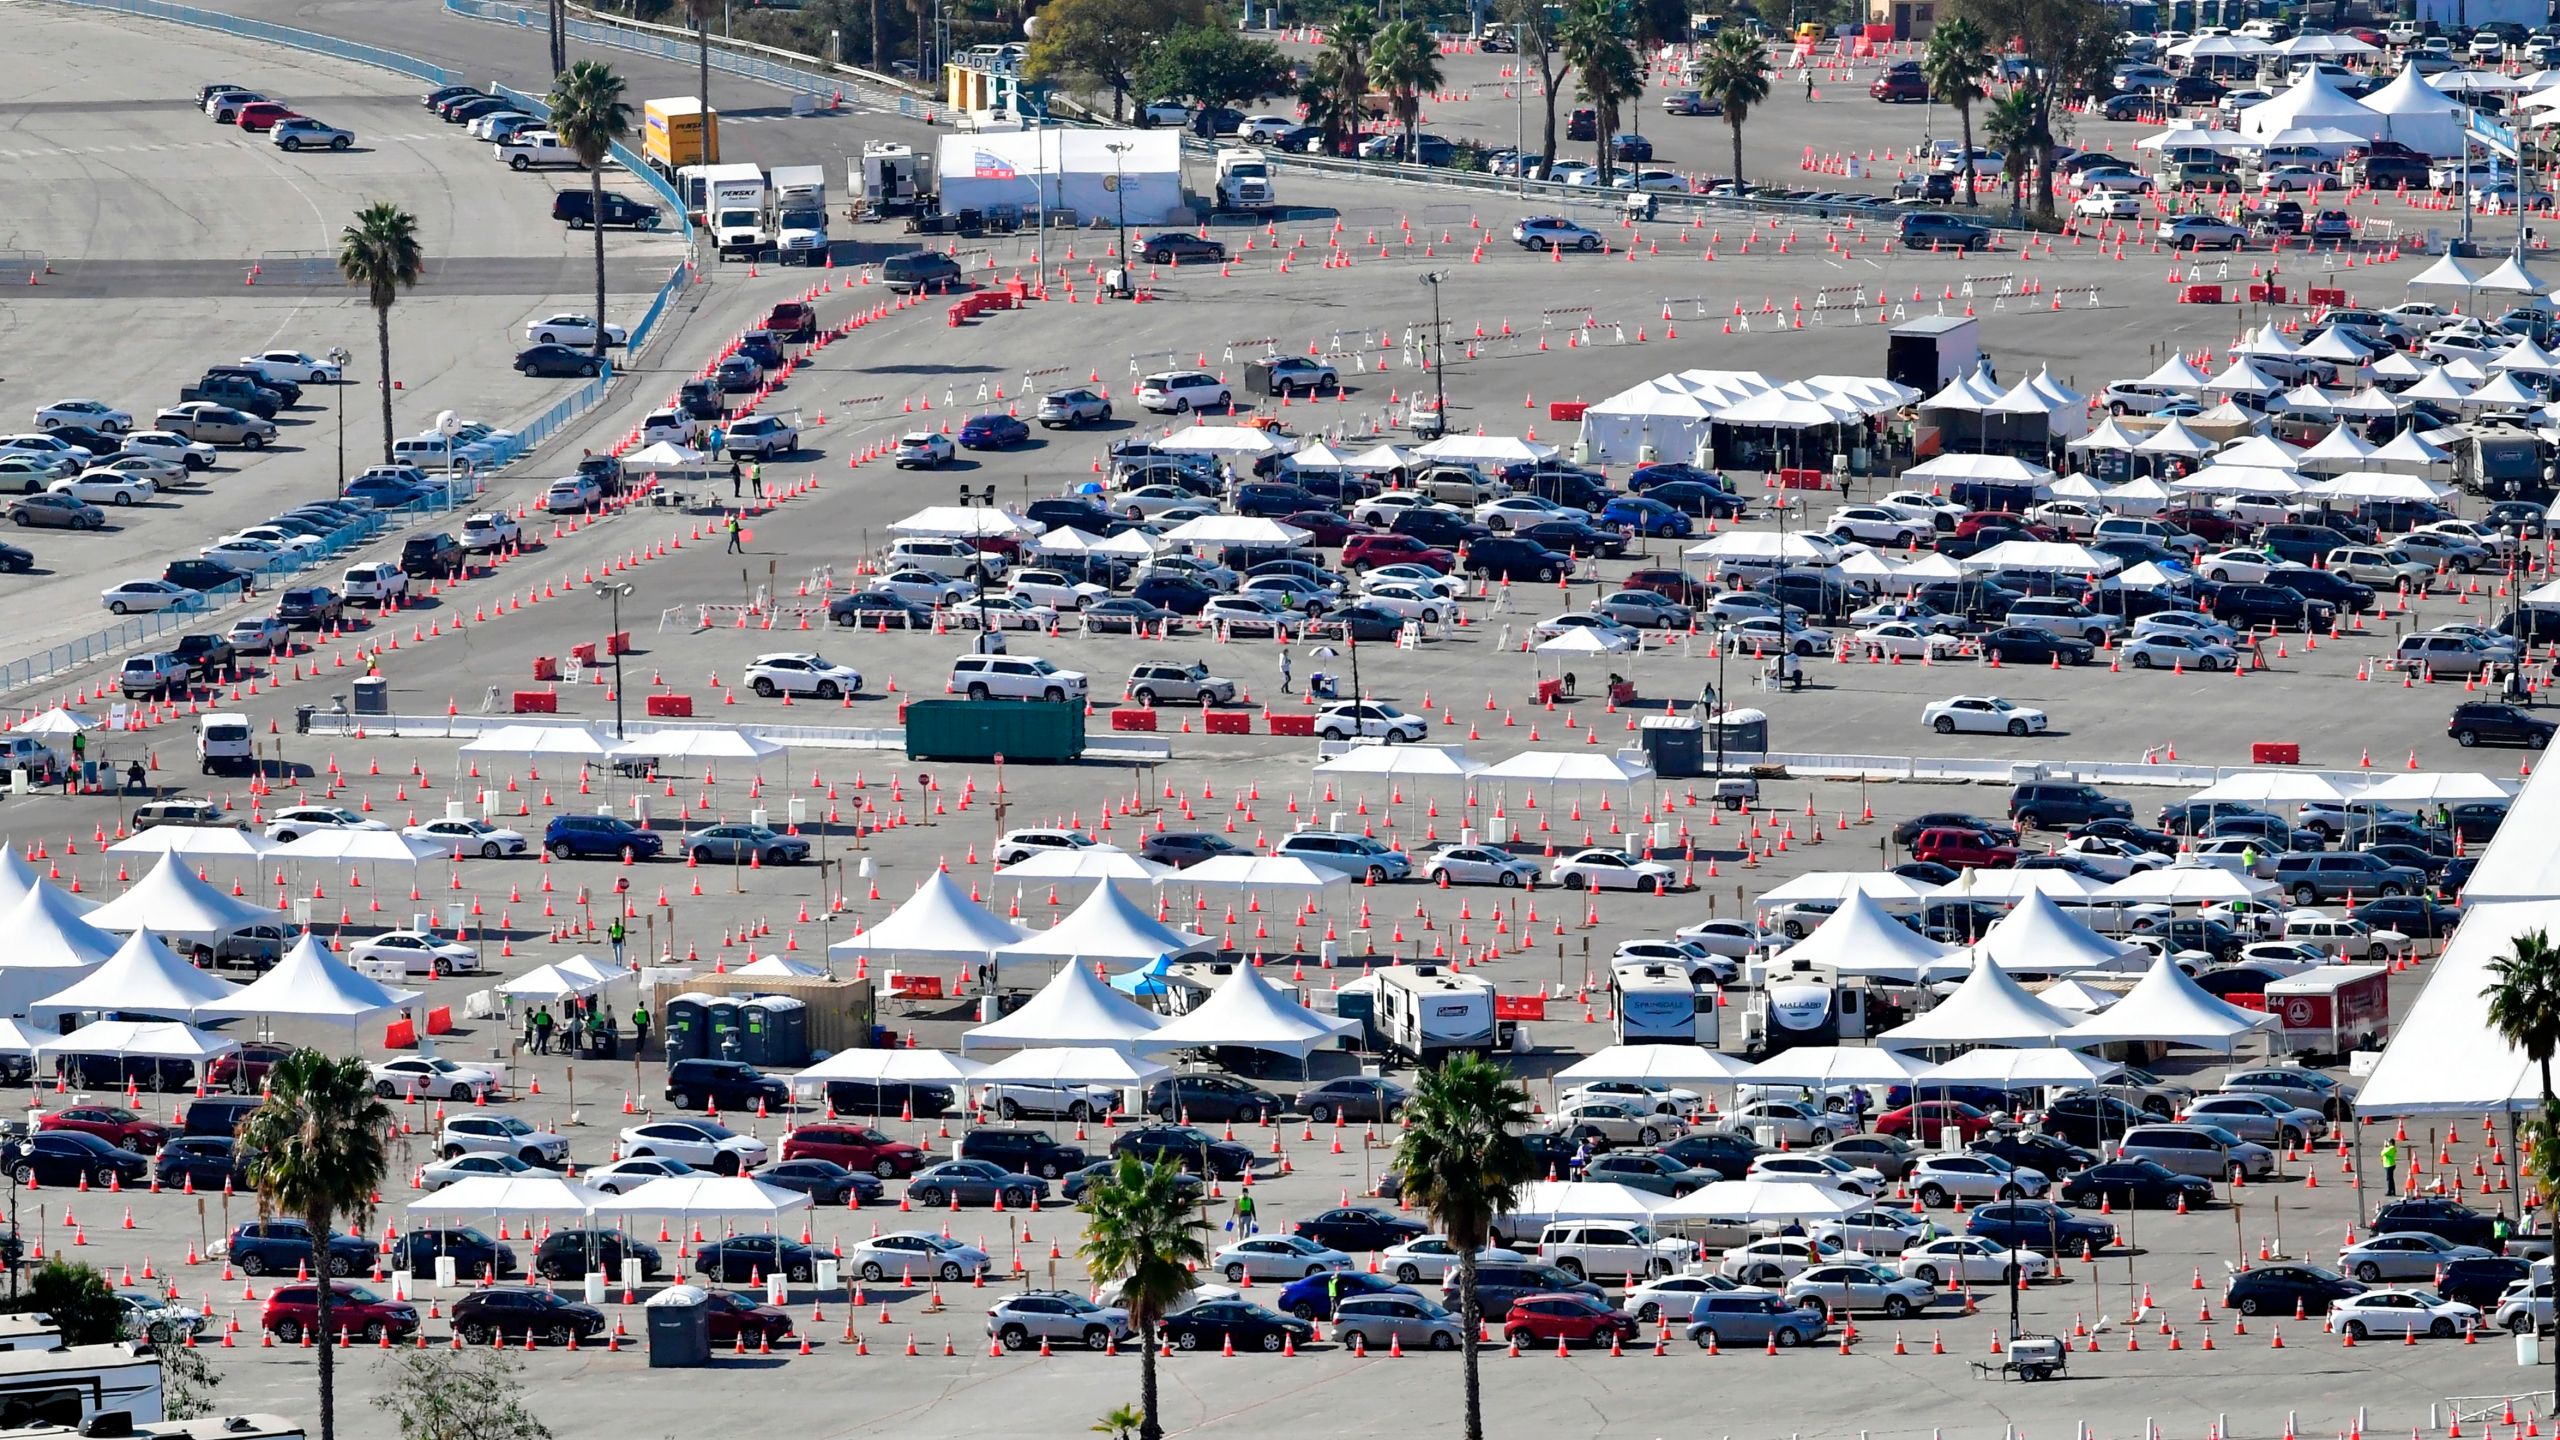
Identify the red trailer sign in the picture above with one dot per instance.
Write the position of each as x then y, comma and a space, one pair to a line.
2332, 1009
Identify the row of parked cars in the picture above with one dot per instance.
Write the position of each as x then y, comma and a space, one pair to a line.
255, 113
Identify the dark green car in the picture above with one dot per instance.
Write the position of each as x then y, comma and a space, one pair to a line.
746, 844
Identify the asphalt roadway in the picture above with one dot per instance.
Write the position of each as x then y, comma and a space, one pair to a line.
476, 634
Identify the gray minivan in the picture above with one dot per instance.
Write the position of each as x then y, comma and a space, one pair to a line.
2196, 1150
1498, 1285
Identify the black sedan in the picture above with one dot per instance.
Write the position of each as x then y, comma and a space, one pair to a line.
1125, 615
1183, 848
1175, 247
69, 1157
1076, 1182
974, 1182
1215, 1324
1698, 501
523, 1312
545, 361
1191, 1148
2056, 1158
2281, 1289
1353, 1097
1360, 622
746, 1259
2133, 1183
1578, 538
2158, 842
824, 1181
2413, 916
2019, 645
16, 559
871, 610
1352, 1229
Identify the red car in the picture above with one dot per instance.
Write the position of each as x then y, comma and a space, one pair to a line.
1980, 520
1963, 849
111, 1123
1360, 552
1679, 585
2210, 526
265, 114
1925, 1119
1325, 528
732, 1314
243, 1069
1568, 1316
1900, 85
855, 1147
355, 1308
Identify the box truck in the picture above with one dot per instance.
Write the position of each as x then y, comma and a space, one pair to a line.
678, 132
734, 206
800, 214
1244, 180
2329, 1010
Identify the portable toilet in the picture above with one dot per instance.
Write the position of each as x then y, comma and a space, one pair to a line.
776, 1032
723, 1024
688, 1026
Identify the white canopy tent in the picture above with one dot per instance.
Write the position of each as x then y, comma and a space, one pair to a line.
1241, 530
1250, 1012
913, 1067
1759, 1199
2435, 787
2272, 784
1578, 767
1074, 1065
939, 921
202, 842
2009, 1068
1486, 450
574, 742
1232, 440
1670, 1064
663, 456
1541, 1202
2187, 885
171, 900
1271, 872
1881, 886
1820, 1066
1088, 862
535, 1194
1410, 762
778, 966
1859, 938
1074, 1008
1107, 928
713, 743
137, 1039
1989, 1008
964, 522
551, 982
2037, 936
2166, 1005
143, 977
311, 983
685, 1196
368, 847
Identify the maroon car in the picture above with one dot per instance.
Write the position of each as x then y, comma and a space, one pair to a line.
1364, 551
1899, 85
355, 1308
1962, 849
2211, 526
855, 1147
1679, 585
243, 1070
734, 1316
1326, 528
112, 1123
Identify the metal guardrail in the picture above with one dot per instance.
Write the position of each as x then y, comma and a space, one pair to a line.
134, 630
809, 737
665, 42
274, 34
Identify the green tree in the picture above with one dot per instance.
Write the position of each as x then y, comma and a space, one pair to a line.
317, 1153
1463, 1164
2012, 125
1142, 1229
1337, 86
591, 117
78, 1298
1404, 65
1954, 64
1212, 66
1734, 72
441, 1394
2524, 1008
2069, 47
1104, 43
380, 252
187, 1379
1530, 20
1594, 40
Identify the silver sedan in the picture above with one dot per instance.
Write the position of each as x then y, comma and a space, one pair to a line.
1479, 865
2403, 1255
1852, 1285
1645, 610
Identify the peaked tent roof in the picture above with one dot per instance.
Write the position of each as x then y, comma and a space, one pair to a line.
2314, 100
1989, 1008
1107, 927
309, 981
1859, 938
1074, 1008
145, 977
170, 900
157, 1039
2167, 1005
1671, 1064
2036, 935
939, 919
1250, 1011
47, 930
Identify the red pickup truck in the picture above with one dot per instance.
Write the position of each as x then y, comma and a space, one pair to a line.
1963, 849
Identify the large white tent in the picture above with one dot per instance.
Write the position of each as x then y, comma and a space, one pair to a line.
171, 900
700, 1193
1263, 872
137, 1039
2314, 101
1671, 1064
534, 1194
143, 977
1989, 1008
1253, 1013
1759, 1199
2166, 1005
1859, 938
1074, 1008
1074, 1065
51, 944
1542, 1201
1819, 1066
938, 921
312, 983
2036, 935
1107, 928
914, 1067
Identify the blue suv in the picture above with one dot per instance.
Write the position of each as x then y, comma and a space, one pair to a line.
569, 836
283, 1247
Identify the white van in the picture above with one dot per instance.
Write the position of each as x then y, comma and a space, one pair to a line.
223, 745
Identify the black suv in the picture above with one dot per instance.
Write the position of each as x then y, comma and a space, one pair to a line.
2059, 805
888, 1097
723, 1084
2277, 605
2093, 1122
474, 1254
207, 575
309, 607
2492, 722
2450, 1219
1210, 1097
1191, 1149
1727, 1154
576, 209
1508, 557
1936, 230
432, 557
1434, 526
1023, 1151
568, 1254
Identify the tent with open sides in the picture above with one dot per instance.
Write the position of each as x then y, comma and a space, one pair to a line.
143, 977
311, 983
171, 900
2036, 935
1109, 929
1989, 1008
137, 1040
1859, 938
1252, 1012
939, 921
51, 944
2167, 1005
1074, 1008
1683, 1065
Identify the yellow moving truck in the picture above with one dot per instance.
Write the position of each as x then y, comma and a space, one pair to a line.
679, 132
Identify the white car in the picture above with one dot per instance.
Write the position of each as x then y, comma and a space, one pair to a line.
2116, 859
1921, 505
1420, 577
1016, 846
1902, 640
703, 1144
1428, 1259
286, 542
1146, 500
1777, 635
438, 1174
1261, 129
2071, 517
922, 449
573, 494
1827, 1171
1382, 510
801, 673
1796, 1123
1369, 721
1982, 715
1601, 869
923, 587
2401, 1311
621, 1177
1479, 865
258, 635
1182, 391
303, 819
2232, 852
469, 837
1277, 1257
142, 597
295, 366
490, 530
918, 1253
1004, 612
1642, 1094
1876, 525
242, 553
2240, 566
2187, 623
1554, 232
96, 414
572, 330
106, 488
1879, 1230
499, 1134
1971, 1259
1772, 1262
432, 1076
418, 953
194, 454
1698, 960
1938, 1178
1676, 1297
1408, 601
1515, 510
2108, 205
1055, 590
2169, 650
1191, 567
1732, 939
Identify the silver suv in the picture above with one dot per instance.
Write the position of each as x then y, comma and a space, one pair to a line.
1014, 677
2068, 618
1160, 682
2296, 1086
1358, 856
2196, 1150
1021, 1322
2262, 1118
1584, 1248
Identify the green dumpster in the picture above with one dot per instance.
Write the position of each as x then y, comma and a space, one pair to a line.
1038, 731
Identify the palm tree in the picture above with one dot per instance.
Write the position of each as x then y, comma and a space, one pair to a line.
1593, 38
1404, 62
1954, 65
316, 1153
1339, 82
2524, 1008
1119, 1422
2012, 125
1463, 1162
1144, 1230
700, 13
591, 117
1736, 75
380, 252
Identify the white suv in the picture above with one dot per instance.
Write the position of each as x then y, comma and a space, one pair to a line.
503, 1135
1584, 1248
955, 558
2068, 618
801, 673
376, 584
1014, 677
703, 1144
1182, 391
1020, 845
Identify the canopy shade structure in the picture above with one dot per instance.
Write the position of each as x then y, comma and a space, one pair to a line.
1486, 450
964, 522
2166, 1005
1794, 547
1761, 1199
1242, 530
684, 1196
915, 1067
1107, 928
1543, 1200
2436, 786
1987, 884
1088, 862
312, 983
1074, 1008
1410, 761
144, 977
1577, 766
2444, 1059
1882, 886
1989, 1008
1994, 1065
17, 877
2187, 885
664, 455
2036, 935
2364, 489
513, 1195
781, 967
1991, 469
56, 723
2410, 448
51, 944
149, 1040
1253, 1012
203, 842
938, 921
551, 982
1586, 640
171, 901
1272, 872
2175, 438
1221, 440
1859, 938
1670, 1064
2075, 995
2313, 102
2177, 373
718, 743
1320, 456
2519, 870
2111, 434
370, 847
1817, 1066
575, 742
2273, 784
2049, 556
1074, 1065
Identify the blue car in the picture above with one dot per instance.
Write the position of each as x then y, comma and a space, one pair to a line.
2039, 1225
385, 493
571, 836
992, 432
1312, 1298
1645, 516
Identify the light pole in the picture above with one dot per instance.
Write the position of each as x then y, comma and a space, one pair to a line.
978, 572
1439, 385
1120, 194
339, 357
614, 590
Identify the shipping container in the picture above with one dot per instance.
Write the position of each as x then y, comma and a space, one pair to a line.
1033, 731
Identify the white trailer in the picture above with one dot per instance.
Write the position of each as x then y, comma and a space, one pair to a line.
734, 206
73, 1384
799, 220
1424, 1012
1657, 1005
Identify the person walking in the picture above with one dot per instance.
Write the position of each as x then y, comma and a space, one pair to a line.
1284, 671
735, 530
1808, 86
528, 1026
639, 1028
2390, 1167
617, 934
717, 440
1244, 1221
542, 1024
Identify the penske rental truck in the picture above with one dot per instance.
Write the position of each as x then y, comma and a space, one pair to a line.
679, 132
800, 214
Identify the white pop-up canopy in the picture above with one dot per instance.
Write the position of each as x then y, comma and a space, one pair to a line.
205, 842
964, 522
1221, 440
551, 982
664, 455
535, 1194
1074, 1008
1244, 530
1252, 1012
1818, 1066
1989, 1008
573, 742
1486, 450
1403, 761
1881, 886
2432, 787
371, 847
1670, 1064
170, 900
939, 921
1273, 872
143, 977
2166, 1005
717, 742
1760, 1199
1542, 1201
311, 982
2186, 885
1107, 928
1584, 767
137, 1039
1074, 1065
1995, 1065
914, 1067
49, 930
684, 1196
1088, 862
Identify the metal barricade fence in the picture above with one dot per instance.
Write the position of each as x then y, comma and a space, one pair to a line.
674, 47
97, 645
275, 34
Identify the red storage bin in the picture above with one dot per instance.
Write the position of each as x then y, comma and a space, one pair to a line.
673, 706
1128, 718
2274, 752
1230, 722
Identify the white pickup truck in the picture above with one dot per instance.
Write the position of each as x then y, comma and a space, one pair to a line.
526, 149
